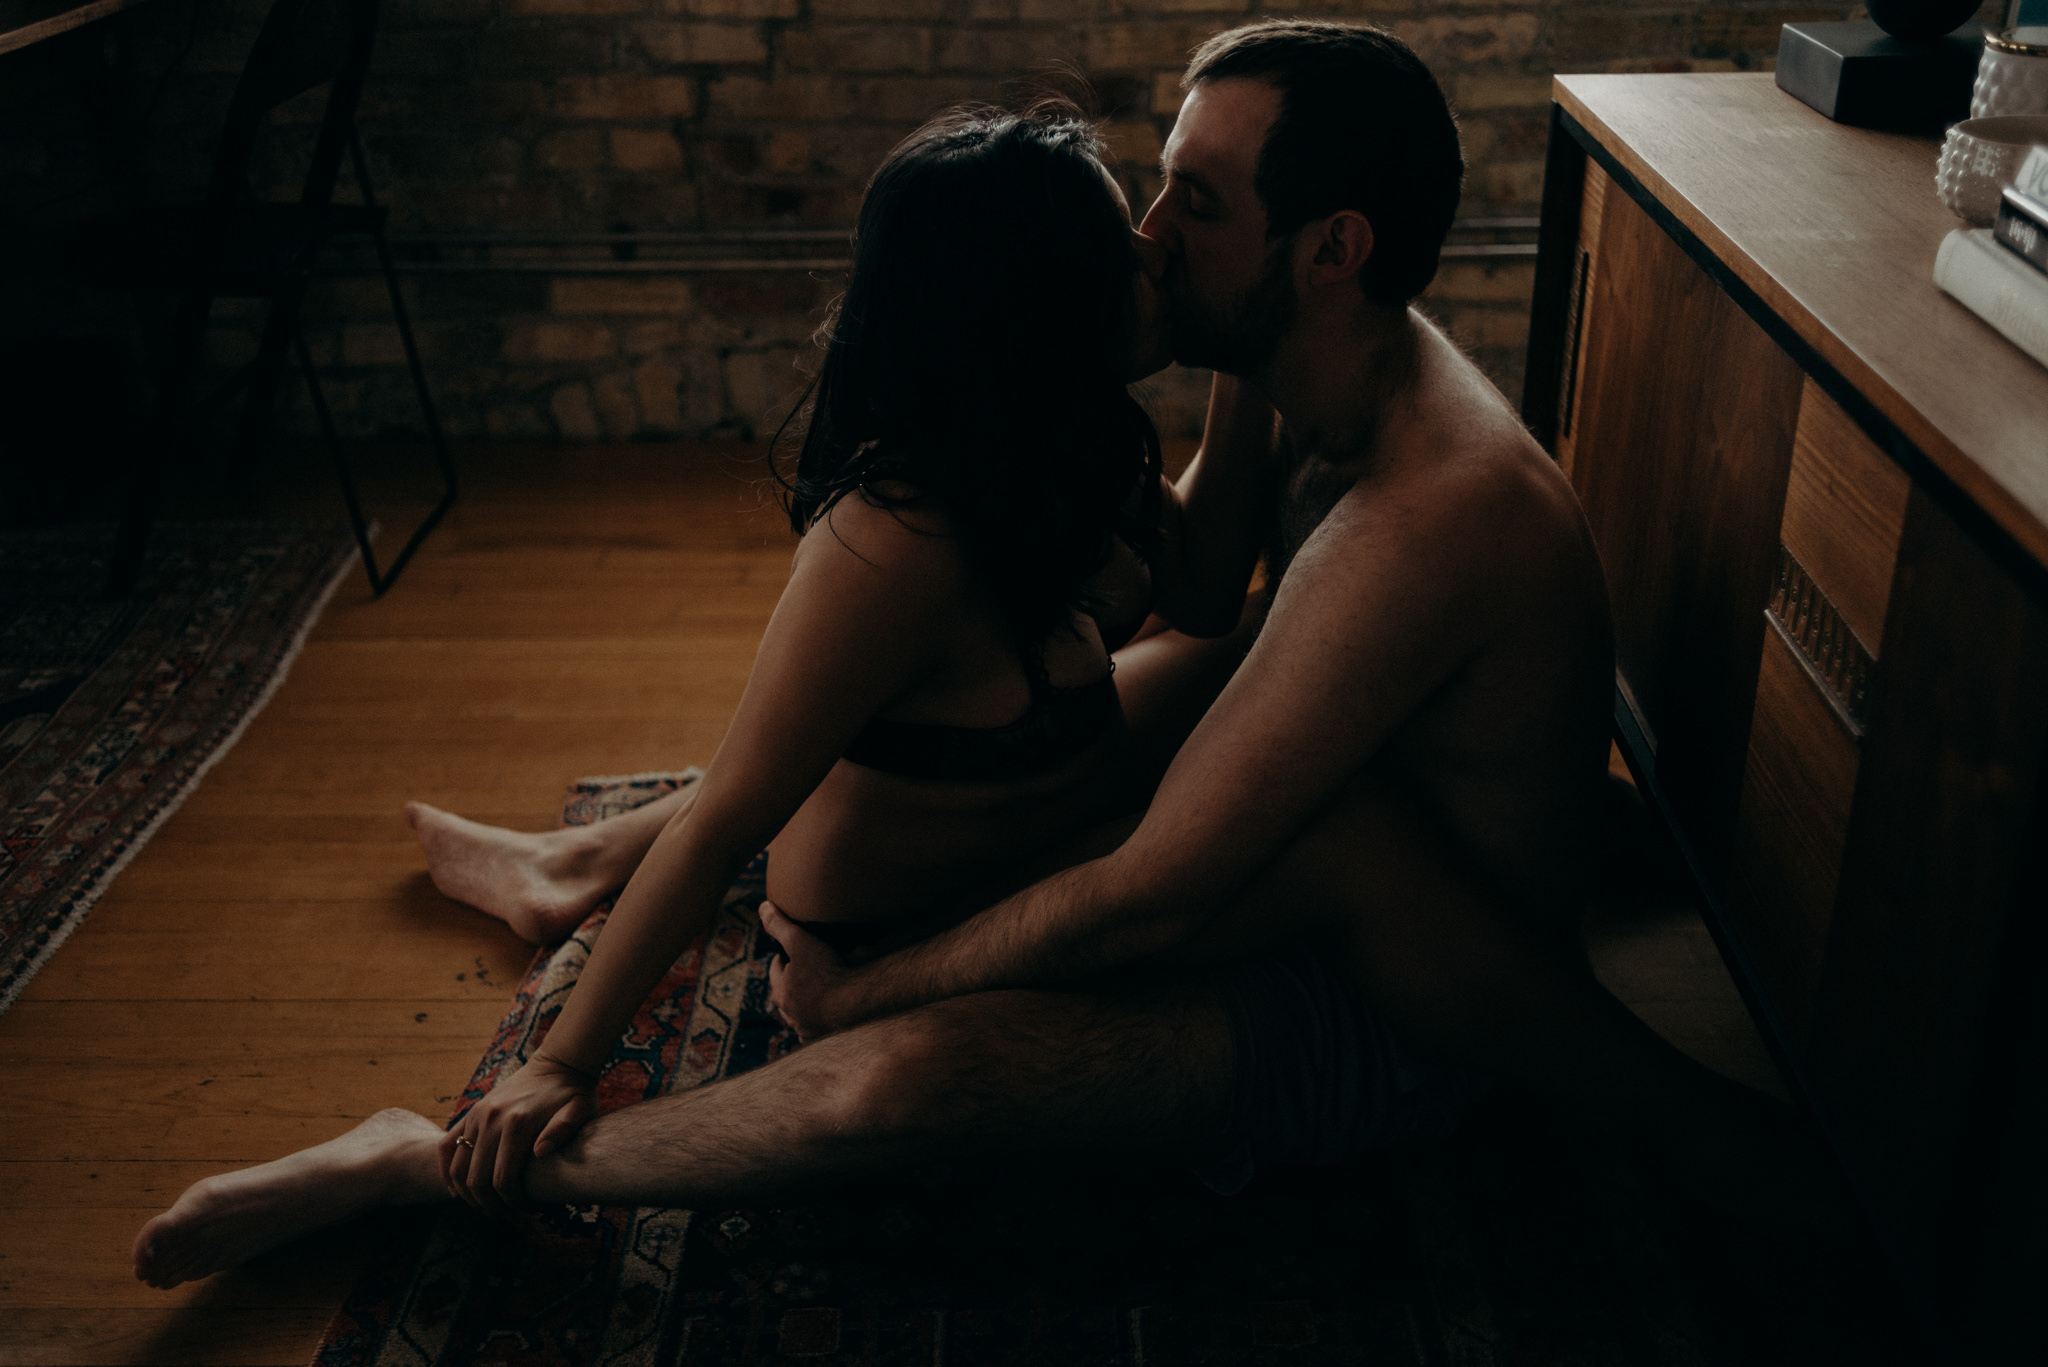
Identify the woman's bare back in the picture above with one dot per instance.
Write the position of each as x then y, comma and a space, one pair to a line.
869, 844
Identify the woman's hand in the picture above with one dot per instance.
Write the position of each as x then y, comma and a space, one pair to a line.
528, 1115
810, 983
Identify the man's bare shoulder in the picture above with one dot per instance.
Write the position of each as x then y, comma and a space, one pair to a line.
1468, 486
1462, 492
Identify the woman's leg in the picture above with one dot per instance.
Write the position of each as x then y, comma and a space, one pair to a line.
391, 1159
542, 884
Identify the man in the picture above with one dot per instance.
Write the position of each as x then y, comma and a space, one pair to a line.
1352, 895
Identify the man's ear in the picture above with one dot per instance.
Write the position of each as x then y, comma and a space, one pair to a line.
1342, 245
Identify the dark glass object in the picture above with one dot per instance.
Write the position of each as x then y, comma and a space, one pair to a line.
1918, 21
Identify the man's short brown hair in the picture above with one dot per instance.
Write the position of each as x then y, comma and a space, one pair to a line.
1362, 125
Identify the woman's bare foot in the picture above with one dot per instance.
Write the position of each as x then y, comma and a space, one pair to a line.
390, 1159
542, 885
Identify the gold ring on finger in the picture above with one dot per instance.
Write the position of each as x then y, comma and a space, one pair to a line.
464, 1142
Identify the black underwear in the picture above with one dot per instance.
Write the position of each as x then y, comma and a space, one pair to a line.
850, 937
843, 937
1059, 724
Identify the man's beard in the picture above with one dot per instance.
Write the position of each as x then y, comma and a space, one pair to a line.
1243, 337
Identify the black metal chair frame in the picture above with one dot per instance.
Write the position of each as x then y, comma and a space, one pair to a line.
237, 246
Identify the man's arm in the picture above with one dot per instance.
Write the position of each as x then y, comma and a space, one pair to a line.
1374, 615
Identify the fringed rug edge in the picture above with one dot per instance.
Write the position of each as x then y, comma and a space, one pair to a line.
74, 915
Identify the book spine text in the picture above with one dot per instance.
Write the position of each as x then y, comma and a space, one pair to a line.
2022, 228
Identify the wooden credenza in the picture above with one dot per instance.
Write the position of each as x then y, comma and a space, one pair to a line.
1820, 491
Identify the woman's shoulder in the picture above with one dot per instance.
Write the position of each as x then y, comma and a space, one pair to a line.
888, 525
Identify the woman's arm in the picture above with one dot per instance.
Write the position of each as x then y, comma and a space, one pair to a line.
863, 615
1212, 519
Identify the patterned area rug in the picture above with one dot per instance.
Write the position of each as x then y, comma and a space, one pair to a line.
1530, 1238
112, 710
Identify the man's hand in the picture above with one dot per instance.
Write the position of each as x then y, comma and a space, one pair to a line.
810, 986
529, 1115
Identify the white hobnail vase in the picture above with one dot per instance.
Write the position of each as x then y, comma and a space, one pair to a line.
1980, 158
2012, 75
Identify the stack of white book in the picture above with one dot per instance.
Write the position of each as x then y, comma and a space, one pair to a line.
2000, 273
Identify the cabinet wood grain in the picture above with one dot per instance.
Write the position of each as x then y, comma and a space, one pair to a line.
1929, 869
1791, 826
1844, 509
1677, 375
1834, 230
1820, 491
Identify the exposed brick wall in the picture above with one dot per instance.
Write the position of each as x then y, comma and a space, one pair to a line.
653, 115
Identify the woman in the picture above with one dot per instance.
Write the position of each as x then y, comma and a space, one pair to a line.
979, 501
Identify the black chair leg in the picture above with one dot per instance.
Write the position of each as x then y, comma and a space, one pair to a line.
412, 360
175, 344
356, 521
419, 384
260, 397
379, 580
412, 351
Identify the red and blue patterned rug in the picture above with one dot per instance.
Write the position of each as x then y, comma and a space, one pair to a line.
1530, 1239
112, 710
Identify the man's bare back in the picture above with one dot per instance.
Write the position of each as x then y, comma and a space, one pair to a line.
1508, 750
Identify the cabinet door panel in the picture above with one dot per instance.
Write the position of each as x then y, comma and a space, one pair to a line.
1792, 825
1578, 319
1843, 511
1682, 438
1932, 869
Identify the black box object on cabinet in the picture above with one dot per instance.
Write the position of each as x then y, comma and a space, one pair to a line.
1856, 73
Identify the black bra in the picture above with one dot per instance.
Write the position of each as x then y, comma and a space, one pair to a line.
1059, 724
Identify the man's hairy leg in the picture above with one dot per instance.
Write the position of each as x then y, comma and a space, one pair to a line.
1142, 1067
1447, 965
542, 883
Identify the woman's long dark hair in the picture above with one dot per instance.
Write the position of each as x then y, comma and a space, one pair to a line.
977, 358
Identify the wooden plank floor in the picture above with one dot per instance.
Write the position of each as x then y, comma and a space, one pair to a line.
275, 965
